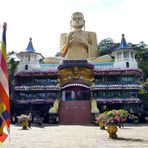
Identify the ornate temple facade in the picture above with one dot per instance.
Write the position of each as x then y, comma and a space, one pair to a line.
74, 90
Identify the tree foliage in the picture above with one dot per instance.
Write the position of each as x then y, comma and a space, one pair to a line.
142, 58
12, 66
106, 46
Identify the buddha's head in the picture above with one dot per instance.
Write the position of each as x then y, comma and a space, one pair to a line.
77, 21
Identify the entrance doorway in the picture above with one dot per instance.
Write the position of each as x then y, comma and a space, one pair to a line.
75, 93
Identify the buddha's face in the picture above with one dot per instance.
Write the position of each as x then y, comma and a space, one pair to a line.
77, 21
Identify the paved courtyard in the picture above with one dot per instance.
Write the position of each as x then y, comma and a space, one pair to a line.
76, 136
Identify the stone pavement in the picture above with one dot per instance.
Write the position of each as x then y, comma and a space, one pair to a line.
77, 136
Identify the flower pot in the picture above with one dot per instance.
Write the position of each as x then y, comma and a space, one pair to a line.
102, 125
112, 130
24, 125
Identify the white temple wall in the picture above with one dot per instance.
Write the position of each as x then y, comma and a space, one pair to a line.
126, 64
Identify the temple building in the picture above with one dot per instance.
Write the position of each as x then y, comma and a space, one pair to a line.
73, 90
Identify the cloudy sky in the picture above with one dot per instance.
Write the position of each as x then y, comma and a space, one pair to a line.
45, 20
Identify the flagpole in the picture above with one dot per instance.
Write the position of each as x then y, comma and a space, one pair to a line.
4, 85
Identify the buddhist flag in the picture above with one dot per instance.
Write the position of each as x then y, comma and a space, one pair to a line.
4, 89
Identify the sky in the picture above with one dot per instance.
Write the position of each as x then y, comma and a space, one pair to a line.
45, 20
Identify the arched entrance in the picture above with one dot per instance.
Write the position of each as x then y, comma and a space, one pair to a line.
75, 105
75, 92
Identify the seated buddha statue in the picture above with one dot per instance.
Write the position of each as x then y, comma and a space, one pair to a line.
78, 43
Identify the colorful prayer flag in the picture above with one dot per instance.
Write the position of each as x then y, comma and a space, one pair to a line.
4, 89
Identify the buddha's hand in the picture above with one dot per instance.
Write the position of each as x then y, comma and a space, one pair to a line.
70, 38
81, 39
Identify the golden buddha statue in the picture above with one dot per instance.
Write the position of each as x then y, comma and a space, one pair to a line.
78, 44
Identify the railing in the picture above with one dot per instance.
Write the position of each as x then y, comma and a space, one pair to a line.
118, 100
34, 101
116, 86
37, 87
117, 71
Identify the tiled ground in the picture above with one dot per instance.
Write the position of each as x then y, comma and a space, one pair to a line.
76, 136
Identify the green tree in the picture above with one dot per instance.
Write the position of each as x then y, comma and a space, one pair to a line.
106, 46
12, 66
142, 58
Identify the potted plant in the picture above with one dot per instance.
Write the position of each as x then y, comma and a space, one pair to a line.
135, 119
101, 119
113, 119
24, 121
38, 120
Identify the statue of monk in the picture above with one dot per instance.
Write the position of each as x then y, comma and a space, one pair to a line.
78, 43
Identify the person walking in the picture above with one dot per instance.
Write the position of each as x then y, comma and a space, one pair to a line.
30, 120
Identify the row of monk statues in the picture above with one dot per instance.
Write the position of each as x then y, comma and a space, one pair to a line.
78, 43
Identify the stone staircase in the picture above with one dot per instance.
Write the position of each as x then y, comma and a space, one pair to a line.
75, 112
